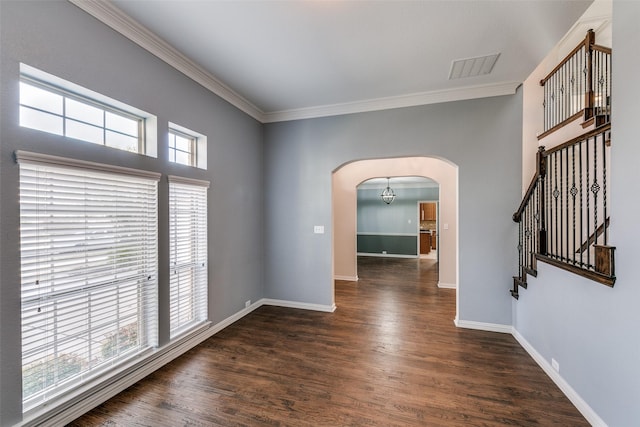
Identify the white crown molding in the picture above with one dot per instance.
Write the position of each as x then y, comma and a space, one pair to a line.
401, 101
106, 12
109, 14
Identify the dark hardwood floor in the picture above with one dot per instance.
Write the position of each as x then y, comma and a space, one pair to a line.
390, 355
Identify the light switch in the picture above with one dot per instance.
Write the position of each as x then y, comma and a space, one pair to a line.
318, 229
445, 226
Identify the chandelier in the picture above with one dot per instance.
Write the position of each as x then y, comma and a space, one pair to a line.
388, 195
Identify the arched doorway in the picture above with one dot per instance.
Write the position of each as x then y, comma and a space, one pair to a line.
346, 178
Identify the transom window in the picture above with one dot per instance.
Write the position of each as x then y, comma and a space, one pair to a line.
182, 148
54, 110
187, 147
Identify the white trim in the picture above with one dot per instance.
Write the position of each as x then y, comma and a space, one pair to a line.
29, 157
582, 406
346, 278
364, 233
90, 396
385, 255
443, 285
409, 100
109, 14
295, 304
188, 181
482, 326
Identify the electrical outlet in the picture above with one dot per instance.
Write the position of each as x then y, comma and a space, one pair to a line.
555, 365
384, 252
247, 304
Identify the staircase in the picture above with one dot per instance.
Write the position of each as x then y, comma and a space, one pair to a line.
564, 217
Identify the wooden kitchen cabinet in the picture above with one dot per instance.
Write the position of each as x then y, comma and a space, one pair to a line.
428, 211
425, 243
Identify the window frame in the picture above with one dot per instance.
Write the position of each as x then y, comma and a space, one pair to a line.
147, 129
105, 108
198, 249
199, 145
146, 284
193, 147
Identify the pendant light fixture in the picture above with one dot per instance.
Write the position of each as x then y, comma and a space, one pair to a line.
388, 195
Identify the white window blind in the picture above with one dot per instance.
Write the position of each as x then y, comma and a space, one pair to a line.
88, 270
188, 254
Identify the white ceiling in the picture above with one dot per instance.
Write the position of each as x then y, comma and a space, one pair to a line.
286, 57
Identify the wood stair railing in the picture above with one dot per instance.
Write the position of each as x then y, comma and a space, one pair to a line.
563, 218
579, 86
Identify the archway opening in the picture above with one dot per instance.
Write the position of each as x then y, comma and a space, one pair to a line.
345, 181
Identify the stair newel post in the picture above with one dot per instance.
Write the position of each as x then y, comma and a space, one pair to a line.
541, 161
589, 100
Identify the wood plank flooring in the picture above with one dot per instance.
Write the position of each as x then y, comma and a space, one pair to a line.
389, 356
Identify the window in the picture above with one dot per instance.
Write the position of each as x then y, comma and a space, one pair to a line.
88, 251
182, 148
54, 105
188, 253
187, 147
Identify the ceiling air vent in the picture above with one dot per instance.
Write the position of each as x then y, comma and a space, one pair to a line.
471, 67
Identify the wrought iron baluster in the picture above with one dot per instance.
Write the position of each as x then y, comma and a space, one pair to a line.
604, 187
581, 198
561, 208
573, 193
595, 189
556, 193
588, 193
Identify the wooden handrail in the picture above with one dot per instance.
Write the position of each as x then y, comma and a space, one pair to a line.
602, 49
540, 171
525, 199
594, 236
577, 139
588, 41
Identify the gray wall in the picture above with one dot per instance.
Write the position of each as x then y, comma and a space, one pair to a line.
375, 219
374, 216
590, 329
59, 38
483, 137
388, 245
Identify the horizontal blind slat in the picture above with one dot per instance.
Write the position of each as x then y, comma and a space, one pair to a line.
88, 272
188, 255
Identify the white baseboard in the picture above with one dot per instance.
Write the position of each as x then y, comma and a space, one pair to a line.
564, 386
296, 304
443, 285
386, 255
89, 397
92, 395
582, 406
347, 278
482, 326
